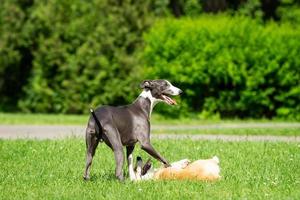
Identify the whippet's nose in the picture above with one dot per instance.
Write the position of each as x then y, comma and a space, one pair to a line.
180, 91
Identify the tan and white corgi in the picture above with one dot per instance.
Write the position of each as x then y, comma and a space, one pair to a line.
203, 170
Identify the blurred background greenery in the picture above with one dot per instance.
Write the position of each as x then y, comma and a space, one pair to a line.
232, 58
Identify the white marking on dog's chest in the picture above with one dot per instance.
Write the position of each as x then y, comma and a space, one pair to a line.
153, 100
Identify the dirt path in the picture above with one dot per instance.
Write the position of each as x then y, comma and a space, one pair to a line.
62, 131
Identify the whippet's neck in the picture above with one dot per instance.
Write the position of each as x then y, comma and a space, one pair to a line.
146, 102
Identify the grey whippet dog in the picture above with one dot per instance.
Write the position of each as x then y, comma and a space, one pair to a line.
127, 125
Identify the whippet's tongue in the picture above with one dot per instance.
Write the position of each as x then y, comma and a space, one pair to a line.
169, 100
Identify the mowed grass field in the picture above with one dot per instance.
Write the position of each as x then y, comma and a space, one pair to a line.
53, 169
51, 119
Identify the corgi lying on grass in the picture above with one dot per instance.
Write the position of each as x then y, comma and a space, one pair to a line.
203, 170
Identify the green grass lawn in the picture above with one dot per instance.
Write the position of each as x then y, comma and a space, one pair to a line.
48, 119
41, 119
53, 169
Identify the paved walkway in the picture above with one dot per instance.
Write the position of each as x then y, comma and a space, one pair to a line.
232, 138
230, 126
62, 131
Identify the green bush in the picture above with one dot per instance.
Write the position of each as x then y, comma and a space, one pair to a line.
228, 66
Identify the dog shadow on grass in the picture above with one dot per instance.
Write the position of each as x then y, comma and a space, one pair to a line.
107, 176
104, 176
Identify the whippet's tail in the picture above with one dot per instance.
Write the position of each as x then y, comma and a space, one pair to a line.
99, 135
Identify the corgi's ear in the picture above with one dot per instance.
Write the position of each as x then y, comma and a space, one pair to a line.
138, 169
146, 167
139, 162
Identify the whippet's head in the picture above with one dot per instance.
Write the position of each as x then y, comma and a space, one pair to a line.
159, 90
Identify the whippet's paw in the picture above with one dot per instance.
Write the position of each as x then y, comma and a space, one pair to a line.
86, 178
166, 165
121, 178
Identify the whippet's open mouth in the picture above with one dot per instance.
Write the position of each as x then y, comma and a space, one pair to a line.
168, 99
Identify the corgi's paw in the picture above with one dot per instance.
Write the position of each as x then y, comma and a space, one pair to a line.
216, 159
181, 164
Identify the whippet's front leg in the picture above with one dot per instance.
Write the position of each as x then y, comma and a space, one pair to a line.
146, 146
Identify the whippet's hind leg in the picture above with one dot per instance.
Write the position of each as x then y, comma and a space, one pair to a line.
91, 144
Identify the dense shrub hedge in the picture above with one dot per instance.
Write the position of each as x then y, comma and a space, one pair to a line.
229, 66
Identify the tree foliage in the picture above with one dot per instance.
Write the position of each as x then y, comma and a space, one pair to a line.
78, 52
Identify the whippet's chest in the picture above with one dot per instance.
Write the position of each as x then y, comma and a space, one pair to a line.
132, 131
130, 126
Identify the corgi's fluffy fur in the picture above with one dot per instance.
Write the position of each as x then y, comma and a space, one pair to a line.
204, 170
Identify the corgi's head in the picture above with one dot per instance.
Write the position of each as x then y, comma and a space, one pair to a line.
144, 171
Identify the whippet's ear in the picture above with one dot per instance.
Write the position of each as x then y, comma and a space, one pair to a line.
146, 84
